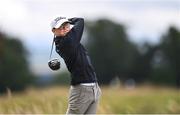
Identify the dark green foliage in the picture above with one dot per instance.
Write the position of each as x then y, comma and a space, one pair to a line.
110, 49
142, 65
113, 54
14, 71
170, 46
62, 79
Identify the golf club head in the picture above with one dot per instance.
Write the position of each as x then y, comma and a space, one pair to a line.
54, 64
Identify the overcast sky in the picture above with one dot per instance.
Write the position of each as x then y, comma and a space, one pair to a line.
146, 20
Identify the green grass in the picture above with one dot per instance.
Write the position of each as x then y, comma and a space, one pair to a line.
113, 100
141, 100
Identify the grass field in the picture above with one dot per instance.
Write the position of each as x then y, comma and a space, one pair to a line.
113, 100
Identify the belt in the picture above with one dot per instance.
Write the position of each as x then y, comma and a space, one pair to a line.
88, 84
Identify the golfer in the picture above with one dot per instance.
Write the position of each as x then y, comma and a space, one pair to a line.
84, 90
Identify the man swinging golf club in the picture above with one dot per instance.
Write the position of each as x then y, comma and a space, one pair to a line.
84, 91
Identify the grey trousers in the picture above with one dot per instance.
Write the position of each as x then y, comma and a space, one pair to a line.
83, 99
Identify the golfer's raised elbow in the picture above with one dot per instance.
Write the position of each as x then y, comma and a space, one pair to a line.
81, 19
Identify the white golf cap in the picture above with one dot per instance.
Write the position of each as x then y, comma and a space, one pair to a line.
57, 22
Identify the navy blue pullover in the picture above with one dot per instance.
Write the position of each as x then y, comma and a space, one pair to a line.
75, 55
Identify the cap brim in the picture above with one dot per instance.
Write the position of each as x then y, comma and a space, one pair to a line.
60, 22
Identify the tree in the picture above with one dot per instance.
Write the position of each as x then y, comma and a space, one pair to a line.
110, 49
142, 66
170, 44
14, 71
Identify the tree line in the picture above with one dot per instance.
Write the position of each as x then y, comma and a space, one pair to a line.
112, 53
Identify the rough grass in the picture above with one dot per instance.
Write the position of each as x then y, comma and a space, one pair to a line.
113, 100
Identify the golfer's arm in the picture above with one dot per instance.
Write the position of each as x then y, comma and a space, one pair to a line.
78, 27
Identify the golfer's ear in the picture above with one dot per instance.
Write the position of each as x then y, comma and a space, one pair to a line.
53, 30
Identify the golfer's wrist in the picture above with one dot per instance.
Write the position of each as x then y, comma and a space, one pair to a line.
71, 20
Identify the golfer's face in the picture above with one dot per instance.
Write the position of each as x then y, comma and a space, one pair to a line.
62, 30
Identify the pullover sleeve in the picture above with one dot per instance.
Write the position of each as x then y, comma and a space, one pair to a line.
78, 28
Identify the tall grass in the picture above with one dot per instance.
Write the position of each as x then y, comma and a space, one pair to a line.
113, 100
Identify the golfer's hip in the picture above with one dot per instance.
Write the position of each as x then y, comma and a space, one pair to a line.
81, 96
90, 91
